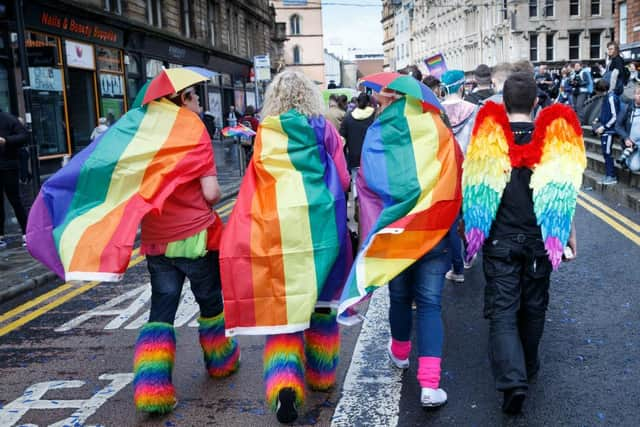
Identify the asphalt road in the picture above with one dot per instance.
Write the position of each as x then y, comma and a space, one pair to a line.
80, 352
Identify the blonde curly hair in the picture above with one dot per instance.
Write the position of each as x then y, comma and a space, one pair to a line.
292, 89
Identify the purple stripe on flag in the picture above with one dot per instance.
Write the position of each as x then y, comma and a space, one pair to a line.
40, 237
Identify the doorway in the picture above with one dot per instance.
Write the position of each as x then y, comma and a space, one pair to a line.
82, 107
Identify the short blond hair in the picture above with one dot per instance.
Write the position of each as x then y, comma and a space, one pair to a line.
292, 90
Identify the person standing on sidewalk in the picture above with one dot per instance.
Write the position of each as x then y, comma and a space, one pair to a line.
520, 186
285, 251
12, 136
182, 242
606, 129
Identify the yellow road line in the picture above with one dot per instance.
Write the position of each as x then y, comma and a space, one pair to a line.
617, 226
53, 304
34, 302
623, 219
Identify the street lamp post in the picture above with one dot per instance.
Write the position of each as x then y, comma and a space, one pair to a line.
26, 91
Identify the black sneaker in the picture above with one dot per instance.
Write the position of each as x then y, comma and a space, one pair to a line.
513, 400
286, 410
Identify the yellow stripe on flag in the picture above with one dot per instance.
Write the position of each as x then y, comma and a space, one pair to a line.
376, 270
150, 137
293, 211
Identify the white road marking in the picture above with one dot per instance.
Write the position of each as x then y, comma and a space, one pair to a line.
32, 399
372, 387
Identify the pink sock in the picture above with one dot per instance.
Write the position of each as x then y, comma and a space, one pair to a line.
400, 349
429, 372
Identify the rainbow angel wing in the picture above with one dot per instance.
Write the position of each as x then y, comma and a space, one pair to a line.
486, 172
558, 176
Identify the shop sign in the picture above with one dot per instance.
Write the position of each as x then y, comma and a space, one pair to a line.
262, 66
69, 26
111, 84
80, 55
45, 78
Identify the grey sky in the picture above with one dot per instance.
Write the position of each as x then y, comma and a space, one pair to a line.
355, 23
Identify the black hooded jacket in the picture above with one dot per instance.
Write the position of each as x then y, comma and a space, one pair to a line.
16, 136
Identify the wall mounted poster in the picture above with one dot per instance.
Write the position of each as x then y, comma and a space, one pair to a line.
80, 55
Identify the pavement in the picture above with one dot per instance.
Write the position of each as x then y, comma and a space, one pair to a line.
21, 273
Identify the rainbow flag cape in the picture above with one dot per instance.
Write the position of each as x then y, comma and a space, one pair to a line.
556, 155
238, 130
410, 168
83, 223
285, 247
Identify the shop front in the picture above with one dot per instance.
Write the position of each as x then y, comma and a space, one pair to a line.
77, 75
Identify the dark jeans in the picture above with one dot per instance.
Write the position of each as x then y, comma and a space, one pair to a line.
9, 186
606, 142
578, 103
517, 272
167, 278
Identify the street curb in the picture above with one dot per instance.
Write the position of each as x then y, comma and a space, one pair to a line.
28, 285
32, 283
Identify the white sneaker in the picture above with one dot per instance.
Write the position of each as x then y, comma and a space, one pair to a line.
398, 363
431, 398
454, 277
24, 240
3, 243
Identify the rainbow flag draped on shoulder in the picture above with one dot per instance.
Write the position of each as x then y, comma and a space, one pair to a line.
83, 223
409, 190
285, 247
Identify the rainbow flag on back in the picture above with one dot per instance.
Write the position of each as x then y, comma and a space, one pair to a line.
409, 184
83, 223
285, 246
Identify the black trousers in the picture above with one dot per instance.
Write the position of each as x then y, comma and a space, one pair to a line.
9, 186
517, 272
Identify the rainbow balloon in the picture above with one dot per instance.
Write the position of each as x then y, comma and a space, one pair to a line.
83, 223
410, 177
285, 246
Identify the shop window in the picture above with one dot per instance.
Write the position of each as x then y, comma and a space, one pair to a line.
48, 111
5, 104
296, 55
294, 24
113, 6
111, 83
153, 68
211, 21
574, 7
154, 13
574, 45
594, 44
533, 47
134, 78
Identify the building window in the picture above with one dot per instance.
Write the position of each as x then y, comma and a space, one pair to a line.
595, 7
187, 17
548, 7
236, 32
574, 45
294, 24
296, 55
574, 7
594, 44
533, 47
249, 36
154, 13
504, 10
623, 23
533, 8
113, 6
211, 21
550, 37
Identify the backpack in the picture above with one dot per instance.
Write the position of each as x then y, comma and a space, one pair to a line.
626, 75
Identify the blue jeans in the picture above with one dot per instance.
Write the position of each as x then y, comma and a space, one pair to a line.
423, 283
606, 141
167, 278
455, 243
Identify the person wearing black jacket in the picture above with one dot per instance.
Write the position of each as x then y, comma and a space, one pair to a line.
353, 129
12, 136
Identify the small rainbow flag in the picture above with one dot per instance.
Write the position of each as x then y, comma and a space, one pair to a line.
285, 247
410, 170
83, 223
238, 130
436, 65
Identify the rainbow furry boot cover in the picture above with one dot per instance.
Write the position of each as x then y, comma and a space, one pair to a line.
152, 365
322, 349
284, 375
221, 354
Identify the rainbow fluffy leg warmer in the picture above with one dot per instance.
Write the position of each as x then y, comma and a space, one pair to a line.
322, 348
152, 365
284, 367
221, 354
